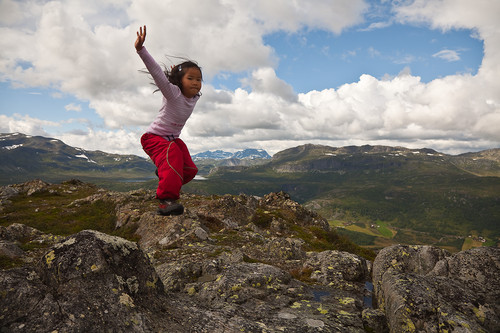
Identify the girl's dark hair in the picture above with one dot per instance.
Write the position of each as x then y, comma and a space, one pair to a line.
175, 74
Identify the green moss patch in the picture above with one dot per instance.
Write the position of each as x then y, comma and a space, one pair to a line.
54, 211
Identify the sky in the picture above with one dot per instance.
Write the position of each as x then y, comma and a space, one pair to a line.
277, 74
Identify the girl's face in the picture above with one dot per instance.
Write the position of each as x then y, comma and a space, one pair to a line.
191, 82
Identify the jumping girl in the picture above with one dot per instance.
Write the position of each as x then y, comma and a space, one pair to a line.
180, 88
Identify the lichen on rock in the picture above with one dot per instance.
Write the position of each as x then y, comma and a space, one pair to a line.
426, 289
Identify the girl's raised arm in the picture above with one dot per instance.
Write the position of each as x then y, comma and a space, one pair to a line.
141, 38
167, 89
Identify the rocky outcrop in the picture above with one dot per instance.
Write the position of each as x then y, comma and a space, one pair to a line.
89, 281
28, 188
229, 264
425, 289
92, 280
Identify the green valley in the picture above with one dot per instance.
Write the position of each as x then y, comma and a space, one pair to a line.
379, 195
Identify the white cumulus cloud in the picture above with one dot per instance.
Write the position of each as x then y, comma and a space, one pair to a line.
85, 49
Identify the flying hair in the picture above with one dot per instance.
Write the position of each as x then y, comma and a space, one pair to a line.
176, 72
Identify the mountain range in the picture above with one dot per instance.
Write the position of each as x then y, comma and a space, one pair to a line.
24, 157
246, 154
377, 195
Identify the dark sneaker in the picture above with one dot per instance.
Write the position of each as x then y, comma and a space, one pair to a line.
167, 207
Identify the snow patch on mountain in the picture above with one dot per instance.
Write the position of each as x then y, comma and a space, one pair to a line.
85, 157
12, 147
246, 154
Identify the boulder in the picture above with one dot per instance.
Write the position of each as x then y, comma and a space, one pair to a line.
426, 289
17, 232
340, 269
10, 250
89, 281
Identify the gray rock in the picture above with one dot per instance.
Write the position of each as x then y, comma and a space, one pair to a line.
89, 281
477, 269
10, 250
92, 280
340, 269
18, 232
374, 320
7, 192
425, 289
285, 248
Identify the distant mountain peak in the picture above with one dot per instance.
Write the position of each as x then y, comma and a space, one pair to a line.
246, 154
319, 150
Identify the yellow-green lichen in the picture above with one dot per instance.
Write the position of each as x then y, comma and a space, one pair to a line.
346, 300
236, 287
126, 300
345, 313
479, 312
321, 310
49, 257
152, 284
408, 325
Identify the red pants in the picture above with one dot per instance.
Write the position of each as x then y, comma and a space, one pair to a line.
175, 166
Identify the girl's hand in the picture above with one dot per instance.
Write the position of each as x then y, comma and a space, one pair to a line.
141, 38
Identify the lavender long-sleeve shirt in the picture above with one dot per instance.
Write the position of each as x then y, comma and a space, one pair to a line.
176, 107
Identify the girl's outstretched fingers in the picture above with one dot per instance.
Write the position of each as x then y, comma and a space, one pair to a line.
141, 38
